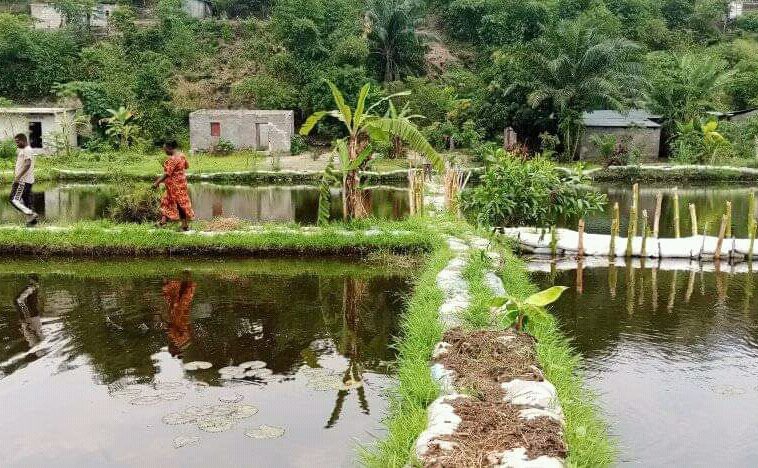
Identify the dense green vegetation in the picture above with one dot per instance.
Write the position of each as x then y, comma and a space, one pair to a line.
474, 67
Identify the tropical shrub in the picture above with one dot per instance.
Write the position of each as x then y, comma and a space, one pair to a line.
700, 142
135, 204
298, 145
513, 192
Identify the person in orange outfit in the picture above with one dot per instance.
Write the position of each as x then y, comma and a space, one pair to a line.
175, 204
179, 296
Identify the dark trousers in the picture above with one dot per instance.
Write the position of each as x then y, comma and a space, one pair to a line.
21, 197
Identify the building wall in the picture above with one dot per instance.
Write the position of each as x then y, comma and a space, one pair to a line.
647, 140
275, 129
45, 16
13, 124
196, 8
745, 116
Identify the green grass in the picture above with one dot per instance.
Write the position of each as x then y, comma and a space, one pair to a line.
586, 432
478, 314
420, 332
103, 238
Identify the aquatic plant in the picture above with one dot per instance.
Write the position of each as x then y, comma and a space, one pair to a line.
265, 432
135, 204
515, 312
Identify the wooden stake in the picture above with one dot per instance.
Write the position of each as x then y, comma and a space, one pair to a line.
643, 249
553, 241
677, 233
658, 207
654, 285
693, 219
752, 243
614, 231
612, 279
751, 212
580, 276
728, 233
580, 229
672, 293
690, 286
632, 231
720, 242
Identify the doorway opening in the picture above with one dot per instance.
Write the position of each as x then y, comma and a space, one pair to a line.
35, 134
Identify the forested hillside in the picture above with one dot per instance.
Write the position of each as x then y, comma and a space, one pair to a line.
474, 66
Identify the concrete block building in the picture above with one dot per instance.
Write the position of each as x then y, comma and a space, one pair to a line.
39, 124
634, 126
46, 16
263, 130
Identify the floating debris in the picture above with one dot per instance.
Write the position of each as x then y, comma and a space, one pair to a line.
200, 386
230, 397
325, 383
351, 384
146, 400
171, 396
252, 365
265, 432
197, 365
215, 424
185, 441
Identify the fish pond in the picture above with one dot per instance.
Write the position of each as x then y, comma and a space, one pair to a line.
195, 363
709, 200
672, 352
64, 203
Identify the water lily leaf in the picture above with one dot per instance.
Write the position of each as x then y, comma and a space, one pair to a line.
126, 393
146, 400
546, 297
179, 418
215, 424
265, 432
171, 396
252, 365
185, 441
230, 397
196, 365
229, 370
242, 411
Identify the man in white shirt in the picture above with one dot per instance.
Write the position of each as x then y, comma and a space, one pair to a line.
23, 179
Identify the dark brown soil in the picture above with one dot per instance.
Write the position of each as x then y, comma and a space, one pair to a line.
482, 360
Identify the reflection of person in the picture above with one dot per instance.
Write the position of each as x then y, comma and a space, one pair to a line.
23, 179
27, 305
179, 296
176, 203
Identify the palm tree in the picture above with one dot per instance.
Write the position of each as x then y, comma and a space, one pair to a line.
575, 69
363, 126
395, 46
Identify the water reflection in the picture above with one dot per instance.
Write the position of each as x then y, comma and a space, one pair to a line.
74, 202
709, 201
672, 349
115, 342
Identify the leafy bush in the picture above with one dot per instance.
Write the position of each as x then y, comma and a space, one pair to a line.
7, 150
298, 145
135, 204
701, 142
528, 193
265, 92
223, 147
748, 22
613, 151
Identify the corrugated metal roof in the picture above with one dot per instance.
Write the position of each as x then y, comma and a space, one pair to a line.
612, 118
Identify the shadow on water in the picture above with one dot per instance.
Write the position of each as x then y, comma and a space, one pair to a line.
673, 355
112, 350
77, 202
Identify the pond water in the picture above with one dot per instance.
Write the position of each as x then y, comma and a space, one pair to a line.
92, 360
709, 201
673, 356
61, 203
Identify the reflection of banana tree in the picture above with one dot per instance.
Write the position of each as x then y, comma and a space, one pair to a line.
353, 295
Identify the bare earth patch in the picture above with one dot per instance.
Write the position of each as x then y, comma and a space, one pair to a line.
489, 426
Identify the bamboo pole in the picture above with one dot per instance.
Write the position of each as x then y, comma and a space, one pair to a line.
658, 208
672, 293
693, 219
720, 242
580, 276
690, 286
632, 231
643, 249
580, 230
728, 233
630, 287
612, 279
615, 224
677, 233
752, 243
751, 225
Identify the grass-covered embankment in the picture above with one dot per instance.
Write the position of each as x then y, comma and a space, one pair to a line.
585, 432
673, 173
99, 239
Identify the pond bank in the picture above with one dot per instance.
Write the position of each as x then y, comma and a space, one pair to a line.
673, 173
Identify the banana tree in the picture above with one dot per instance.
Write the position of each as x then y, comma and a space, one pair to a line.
363, 126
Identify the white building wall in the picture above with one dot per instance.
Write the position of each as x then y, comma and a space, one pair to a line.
45, 16
266, 130
196, 8
12, 124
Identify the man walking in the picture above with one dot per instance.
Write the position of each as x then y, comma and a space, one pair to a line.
21, 191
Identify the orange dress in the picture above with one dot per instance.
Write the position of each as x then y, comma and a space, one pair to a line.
179, 296
176, 196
